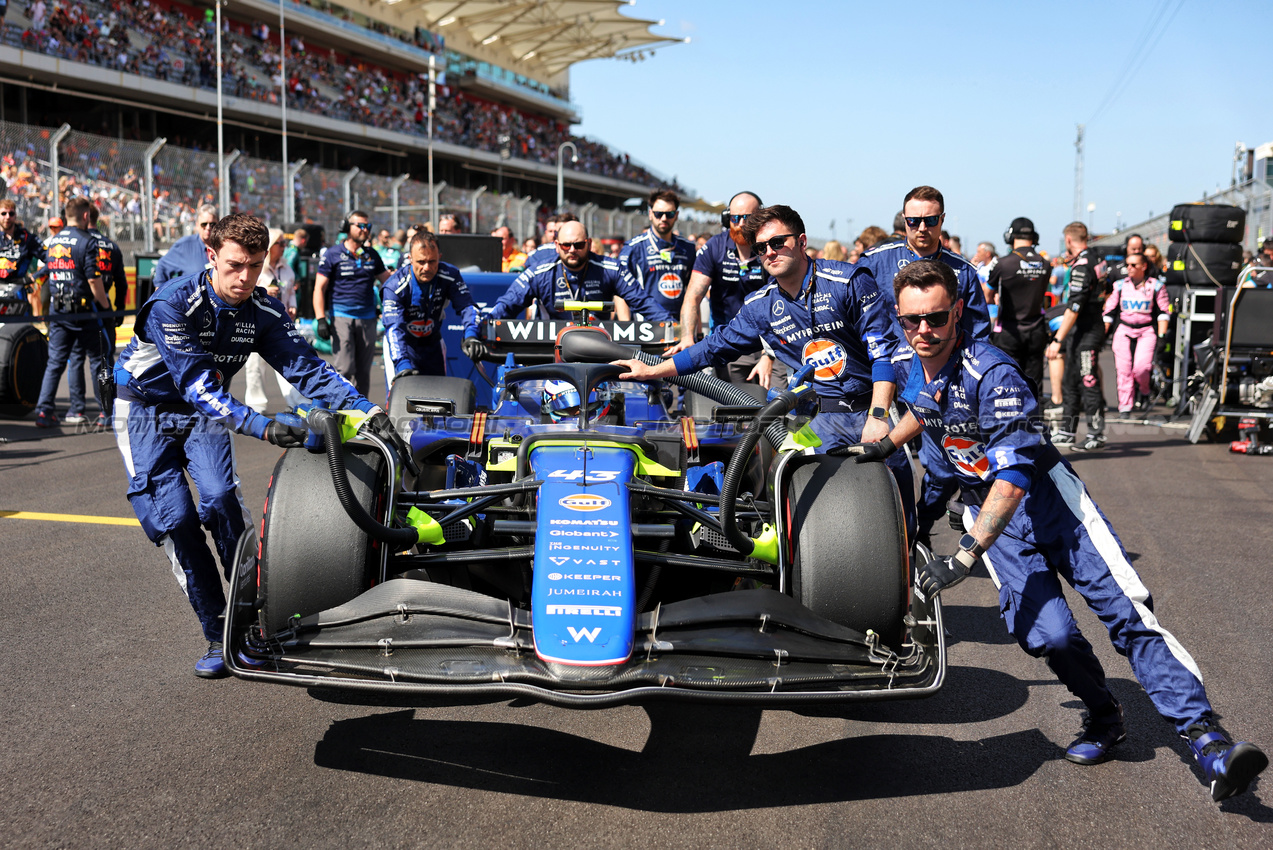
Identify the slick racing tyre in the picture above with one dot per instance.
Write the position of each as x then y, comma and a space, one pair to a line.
1203, 263
849, 561
313, 556
459, 390
1207, 223
24, 352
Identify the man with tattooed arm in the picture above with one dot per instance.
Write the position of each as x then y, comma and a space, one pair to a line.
1032, 521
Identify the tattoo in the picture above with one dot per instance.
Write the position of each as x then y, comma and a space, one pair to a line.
1001, 503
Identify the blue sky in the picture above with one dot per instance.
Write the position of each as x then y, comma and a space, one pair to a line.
839, 108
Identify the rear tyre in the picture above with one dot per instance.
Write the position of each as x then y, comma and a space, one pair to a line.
313, 556
24, 352
848, 536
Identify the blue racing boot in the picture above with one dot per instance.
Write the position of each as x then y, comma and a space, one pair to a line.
1229, 767
1101, 732
212, 664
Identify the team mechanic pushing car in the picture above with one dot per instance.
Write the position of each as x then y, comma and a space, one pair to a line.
174, 410
576, 274
923, 213
415, 297
824, 312
1034, 522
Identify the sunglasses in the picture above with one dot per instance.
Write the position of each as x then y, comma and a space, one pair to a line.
574, 246
361, 225
912, 221
6, 212
739, 219
937, 319
777, 243
1134, 265
664, 213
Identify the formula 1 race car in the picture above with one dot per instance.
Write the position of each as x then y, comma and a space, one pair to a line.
584, 544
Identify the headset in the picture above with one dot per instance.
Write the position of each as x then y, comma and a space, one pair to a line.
1010, 234
724, 217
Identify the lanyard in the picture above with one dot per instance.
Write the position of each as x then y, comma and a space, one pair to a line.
564, 278
667, 255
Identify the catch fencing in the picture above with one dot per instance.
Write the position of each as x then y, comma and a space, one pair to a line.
149, 192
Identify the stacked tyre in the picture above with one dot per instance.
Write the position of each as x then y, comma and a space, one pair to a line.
1206, 244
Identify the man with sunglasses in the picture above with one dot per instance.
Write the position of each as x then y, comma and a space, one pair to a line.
923, 213
819, 312
18, 249
351, 271
189, 254
1032, 522
726, 271
547, 251
659, 261
574, 273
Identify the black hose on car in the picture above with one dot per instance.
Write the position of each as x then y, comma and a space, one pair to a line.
400, 538
774, 410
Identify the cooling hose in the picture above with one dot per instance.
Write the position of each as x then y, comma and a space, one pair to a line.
738, 461
400, 538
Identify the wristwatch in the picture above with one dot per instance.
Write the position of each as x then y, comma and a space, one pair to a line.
878, 413
969, 551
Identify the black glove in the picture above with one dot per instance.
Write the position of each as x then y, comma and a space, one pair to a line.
941, 573
286, 436
1160, 346
475, 349
405, 373
322, 329
380, 425
876, 451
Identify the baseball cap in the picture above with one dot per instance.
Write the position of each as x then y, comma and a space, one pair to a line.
276, 235
1022, 228
56, 222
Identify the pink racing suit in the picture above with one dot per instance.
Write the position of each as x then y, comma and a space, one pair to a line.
1136, 321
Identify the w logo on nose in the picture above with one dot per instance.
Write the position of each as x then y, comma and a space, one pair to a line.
590, 634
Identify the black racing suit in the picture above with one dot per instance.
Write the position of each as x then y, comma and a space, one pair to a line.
1021, 281
1082, 384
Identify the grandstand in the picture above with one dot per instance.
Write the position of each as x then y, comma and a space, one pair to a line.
123, 74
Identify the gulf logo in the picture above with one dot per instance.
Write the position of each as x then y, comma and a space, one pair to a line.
827, 356
420, 327
670, 286
584, 502
968, 455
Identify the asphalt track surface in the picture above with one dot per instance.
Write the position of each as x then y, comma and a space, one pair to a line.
108, 739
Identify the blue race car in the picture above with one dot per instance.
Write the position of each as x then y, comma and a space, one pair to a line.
581, 541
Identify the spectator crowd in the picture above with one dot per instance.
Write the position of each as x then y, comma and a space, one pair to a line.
169, 41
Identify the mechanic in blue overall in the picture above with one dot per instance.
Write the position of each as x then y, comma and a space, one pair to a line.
726, 272
189, 254
575, 274
822, 312
18, 248
1032, 521
349, 272
416, 296
174, 413
75, 287
924, 213
659, 261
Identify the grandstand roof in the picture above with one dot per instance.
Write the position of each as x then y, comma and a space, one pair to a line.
552, 33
